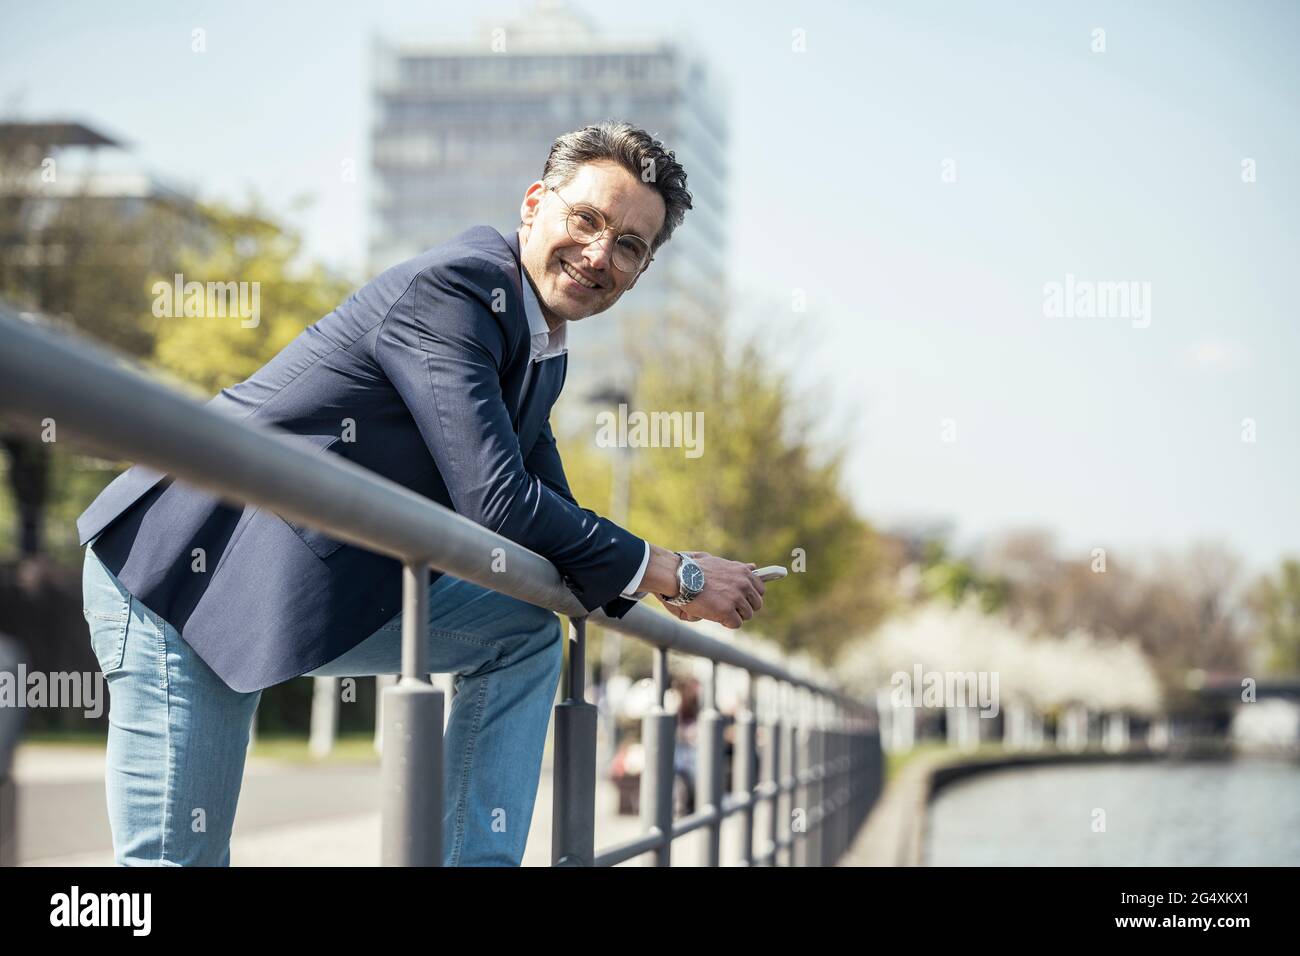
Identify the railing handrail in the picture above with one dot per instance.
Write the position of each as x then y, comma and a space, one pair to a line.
106, 405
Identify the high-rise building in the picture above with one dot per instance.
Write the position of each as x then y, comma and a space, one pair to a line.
461, 130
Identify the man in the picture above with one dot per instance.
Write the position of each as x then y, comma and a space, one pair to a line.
442, 373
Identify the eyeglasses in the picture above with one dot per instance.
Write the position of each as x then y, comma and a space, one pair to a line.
587, 224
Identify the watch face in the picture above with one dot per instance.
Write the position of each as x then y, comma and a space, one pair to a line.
693, 577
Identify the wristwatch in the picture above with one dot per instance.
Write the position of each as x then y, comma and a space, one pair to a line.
690, 581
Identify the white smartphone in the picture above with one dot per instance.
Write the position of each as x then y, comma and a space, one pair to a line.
773, 572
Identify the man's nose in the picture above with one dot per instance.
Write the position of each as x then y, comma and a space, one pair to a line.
599, 252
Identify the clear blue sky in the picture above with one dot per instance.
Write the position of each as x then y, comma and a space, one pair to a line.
924, 297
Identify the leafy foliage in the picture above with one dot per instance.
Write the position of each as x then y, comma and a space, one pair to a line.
1275, 605
215, 352
761, 491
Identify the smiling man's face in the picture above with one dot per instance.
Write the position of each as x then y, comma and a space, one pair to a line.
551, 256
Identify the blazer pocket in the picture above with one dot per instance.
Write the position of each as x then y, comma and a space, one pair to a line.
321, 544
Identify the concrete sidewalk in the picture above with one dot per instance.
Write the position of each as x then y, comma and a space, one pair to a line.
290, 814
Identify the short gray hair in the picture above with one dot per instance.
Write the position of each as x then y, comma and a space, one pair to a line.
636, 151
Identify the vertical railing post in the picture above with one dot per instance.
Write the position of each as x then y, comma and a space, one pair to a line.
324, 716
772, 772
866, 771
573, 814
861, 772
859, 776
826, 805
817, 787
744, 766
789, 773
11, 721
839, 783
875, 761
801, 802
411, 765
382, 683
709, 769
659, 739
848, 826
862, 747
831, 841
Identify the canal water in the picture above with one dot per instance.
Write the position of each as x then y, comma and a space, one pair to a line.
1240, 812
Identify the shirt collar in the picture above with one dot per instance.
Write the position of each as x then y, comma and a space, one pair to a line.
544, 343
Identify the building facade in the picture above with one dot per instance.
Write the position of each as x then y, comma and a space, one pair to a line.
461, 130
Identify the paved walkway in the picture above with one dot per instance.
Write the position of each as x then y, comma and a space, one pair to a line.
290, 814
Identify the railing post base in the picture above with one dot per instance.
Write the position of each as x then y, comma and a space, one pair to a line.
573, 821
411, 775
8, 822
659, 737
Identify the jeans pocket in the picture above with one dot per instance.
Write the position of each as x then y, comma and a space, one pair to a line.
107, 609
107, 640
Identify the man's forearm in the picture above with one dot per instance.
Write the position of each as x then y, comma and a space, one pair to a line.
661, 573
731, 595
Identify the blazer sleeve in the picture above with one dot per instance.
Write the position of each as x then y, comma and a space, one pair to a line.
444, 348
544, 461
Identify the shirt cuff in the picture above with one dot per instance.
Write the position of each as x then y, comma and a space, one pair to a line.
630, 592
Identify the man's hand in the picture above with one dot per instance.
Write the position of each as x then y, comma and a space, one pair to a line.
731, 595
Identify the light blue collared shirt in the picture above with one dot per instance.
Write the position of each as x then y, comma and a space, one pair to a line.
545, 344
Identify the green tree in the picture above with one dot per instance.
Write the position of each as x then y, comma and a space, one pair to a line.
952, 579
214, 352
100, 266
1274, 603
84, 260
761, 490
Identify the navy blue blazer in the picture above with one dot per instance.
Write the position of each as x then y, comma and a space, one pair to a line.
429, 361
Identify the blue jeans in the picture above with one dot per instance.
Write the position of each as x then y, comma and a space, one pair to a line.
178, 735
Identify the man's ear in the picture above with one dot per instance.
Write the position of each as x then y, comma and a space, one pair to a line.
532, 199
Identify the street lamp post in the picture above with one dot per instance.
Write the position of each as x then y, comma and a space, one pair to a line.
611, 642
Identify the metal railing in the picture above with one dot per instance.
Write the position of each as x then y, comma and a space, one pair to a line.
10, 724
821, 761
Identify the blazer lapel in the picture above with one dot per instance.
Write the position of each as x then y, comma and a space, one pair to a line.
512, 240
543, 390
548, 375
